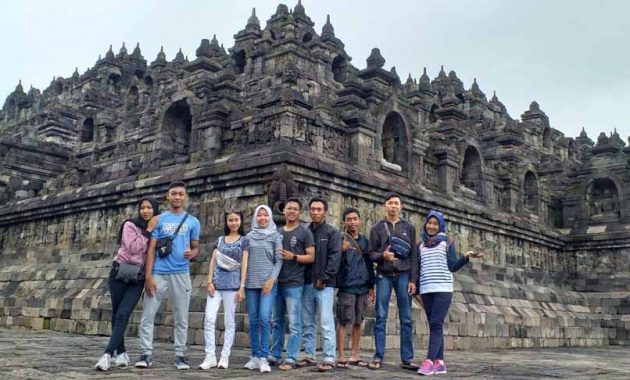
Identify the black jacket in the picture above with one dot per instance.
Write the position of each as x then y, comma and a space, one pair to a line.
379, 241
356, 269
327, 255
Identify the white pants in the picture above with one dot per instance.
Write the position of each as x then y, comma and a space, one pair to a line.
212, 309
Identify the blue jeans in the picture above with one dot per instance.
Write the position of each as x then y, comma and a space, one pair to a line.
289, 301
125, 296
436, 307
314, 301
259, 313
384, 286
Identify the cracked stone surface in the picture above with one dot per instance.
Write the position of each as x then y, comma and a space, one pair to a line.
29, 354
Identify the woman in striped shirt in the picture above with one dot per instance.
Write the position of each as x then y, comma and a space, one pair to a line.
263, 266
438, 259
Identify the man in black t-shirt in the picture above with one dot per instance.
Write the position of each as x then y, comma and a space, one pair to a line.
298, 249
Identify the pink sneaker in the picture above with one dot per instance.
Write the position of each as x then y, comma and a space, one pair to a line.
439, 366
426, 368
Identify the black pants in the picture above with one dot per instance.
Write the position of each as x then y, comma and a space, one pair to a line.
125, 296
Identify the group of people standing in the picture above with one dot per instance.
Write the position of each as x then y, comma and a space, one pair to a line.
287, 277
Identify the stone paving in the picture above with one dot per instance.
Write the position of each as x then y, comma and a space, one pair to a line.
28, 354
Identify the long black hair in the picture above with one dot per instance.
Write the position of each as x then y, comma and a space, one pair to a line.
226, 229
139, 222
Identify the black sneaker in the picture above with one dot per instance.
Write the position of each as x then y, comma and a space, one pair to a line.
181, 363
145, 361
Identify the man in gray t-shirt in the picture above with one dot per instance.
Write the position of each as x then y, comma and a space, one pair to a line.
298, 250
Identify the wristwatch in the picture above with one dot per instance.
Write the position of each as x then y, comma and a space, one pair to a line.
294, 257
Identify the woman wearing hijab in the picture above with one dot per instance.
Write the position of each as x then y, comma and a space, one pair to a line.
126, 278
438, 259
263, 266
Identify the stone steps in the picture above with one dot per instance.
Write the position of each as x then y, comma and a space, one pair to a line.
618, 282
493, 307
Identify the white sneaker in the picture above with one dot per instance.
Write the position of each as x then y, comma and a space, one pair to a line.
103, 362
122, 360
223, 363
209, 362
264, 366
253, 363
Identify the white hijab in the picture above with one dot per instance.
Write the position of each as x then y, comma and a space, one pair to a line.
259, 232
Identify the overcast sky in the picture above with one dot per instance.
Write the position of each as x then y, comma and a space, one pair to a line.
571, 56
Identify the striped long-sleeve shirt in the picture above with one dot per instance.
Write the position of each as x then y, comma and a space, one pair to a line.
261, 264
436, 266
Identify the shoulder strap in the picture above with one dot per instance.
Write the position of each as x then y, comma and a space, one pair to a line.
387, 228
356, 244
180, 225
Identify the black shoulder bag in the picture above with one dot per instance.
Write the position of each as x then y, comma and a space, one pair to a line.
400, 247
164, 245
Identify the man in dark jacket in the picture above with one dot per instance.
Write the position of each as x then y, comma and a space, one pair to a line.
356, 286
319, 287
393, 248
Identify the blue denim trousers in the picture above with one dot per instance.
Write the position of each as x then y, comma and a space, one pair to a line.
288, 301
436, 307
314, 302
384, 286
259, 314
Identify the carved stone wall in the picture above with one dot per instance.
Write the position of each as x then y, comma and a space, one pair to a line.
284, 111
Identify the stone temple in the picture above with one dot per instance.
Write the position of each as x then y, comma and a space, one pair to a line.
284, 112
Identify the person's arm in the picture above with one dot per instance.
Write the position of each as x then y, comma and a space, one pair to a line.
278, 255
193, 251
413, 260
413, 257
309, 253
241, 289
275, 271
308, 257
374, 246
149, 283
133, 240
333, 260
454, 262
370, 266
211, 267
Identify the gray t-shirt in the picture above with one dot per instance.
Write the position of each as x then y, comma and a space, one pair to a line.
296, 241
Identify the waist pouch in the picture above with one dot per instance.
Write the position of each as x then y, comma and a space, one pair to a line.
129, 273
400, 247
227, 263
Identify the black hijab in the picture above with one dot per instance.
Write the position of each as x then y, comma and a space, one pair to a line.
139, 222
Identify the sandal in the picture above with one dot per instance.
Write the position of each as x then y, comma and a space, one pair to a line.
286, 366
326, 366
376, 364
359, 363
272, 361
410, 365
342, 364
306, 362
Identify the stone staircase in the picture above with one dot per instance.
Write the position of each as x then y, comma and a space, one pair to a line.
493, 307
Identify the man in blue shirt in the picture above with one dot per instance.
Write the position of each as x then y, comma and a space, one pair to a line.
170, 274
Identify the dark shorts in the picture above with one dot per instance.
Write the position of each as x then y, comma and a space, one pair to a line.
351, 308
